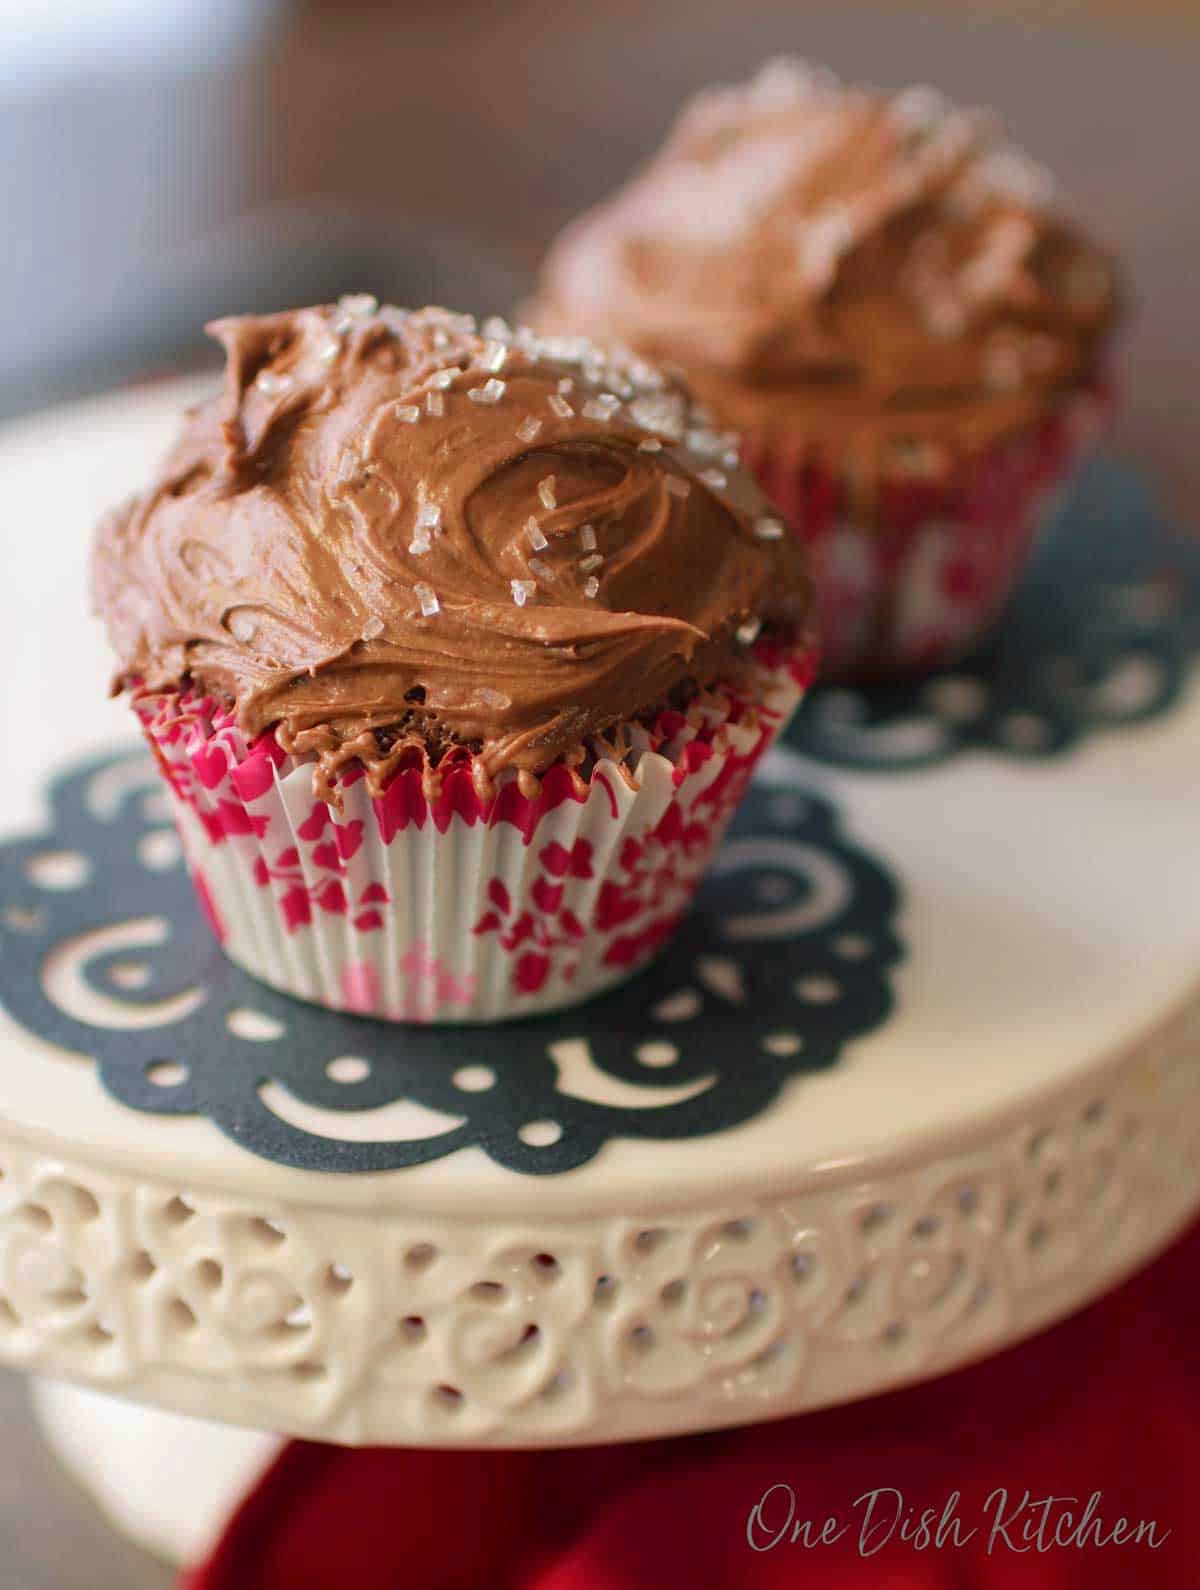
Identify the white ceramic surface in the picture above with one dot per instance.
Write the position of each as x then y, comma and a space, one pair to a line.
167, 1481
1025, 1129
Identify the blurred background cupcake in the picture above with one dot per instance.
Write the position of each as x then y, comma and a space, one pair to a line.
455, 656
878, 295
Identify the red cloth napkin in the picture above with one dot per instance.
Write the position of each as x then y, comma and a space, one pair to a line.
1107, 1403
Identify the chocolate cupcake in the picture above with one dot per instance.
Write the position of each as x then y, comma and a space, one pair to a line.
878, 295
455, 658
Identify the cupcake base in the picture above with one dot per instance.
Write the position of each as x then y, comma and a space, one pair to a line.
438, 905
920, 582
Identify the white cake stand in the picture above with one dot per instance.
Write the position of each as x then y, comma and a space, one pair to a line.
1021, 1133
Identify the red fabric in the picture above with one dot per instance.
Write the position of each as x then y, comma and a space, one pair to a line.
1108, 1402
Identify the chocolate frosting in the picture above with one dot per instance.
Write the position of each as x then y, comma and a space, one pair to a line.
391, 530
843, 261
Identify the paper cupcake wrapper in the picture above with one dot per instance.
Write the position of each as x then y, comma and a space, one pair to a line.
921, 582
457, 909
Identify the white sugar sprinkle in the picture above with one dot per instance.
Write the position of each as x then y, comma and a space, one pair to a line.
373, 627
407, 413
919, 106
490, 392
359, 305
522, 590
567, 384
497, 328
714, 478
420, 543
602, 407
270, 384
547, 493
678, 487
493, 356
537, 539
563, 350
748, 632
587, 537
528, 429
591, 562
445, 378
650, 445
767, 529
591, 586
429, 603
542, 570
560, 406
435, 403
660, 411
329, 350
429, 516
645, 375
242, 624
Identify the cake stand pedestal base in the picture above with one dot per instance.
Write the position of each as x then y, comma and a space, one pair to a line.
166, 1481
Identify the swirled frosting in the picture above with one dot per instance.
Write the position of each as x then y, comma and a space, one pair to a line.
390, 528
841, 259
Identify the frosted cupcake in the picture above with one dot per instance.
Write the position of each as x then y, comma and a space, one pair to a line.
455, 657
878, 293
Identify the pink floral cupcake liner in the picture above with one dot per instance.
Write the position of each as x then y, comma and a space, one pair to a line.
923, 582
437, 904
